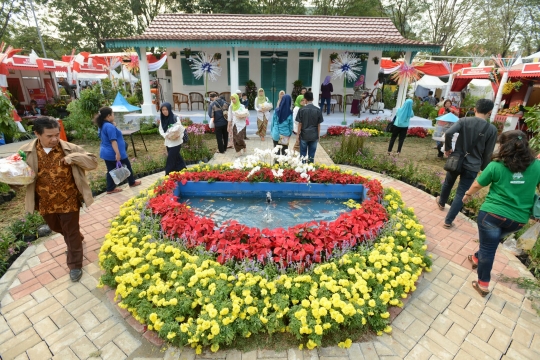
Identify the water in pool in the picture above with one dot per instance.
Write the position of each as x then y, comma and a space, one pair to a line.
258, 212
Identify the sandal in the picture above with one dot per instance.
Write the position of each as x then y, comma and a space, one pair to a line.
470, 258
481, 291
136, 183
448, 226
117, 190
438, 203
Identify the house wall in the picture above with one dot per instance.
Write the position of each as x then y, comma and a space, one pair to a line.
255, 70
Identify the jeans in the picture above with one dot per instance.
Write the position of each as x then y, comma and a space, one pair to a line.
466, 179
283, 147
308, 148
402, 133
111, 164
175, 161
222, 137
491, 229
327, 100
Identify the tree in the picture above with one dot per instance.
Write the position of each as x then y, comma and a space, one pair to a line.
23, 36
447, 21
291, 7
529, 38
216, 7
10, 10
347, 7
405, 14
84, 24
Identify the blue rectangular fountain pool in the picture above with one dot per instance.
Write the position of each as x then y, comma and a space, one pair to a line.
248, 203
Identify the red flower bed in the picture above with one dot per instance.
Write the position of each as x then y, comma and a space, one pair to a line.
418, 132
303, 243
336, 130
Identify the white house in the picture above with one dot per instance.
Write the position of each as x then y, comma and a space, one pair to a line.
271, 50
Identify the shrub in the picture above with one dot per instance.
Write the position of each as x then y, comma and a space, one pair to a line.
417, 132
336, 130
389, 98
79, 124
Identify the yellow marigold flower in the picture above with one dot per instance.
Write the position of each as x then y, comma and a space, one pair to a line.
372, 303
198, 350
214, 347
171, 335
385, 315
311, 344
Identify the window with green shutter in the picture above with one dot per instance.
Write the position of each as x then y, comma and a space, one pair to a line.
187, 74
305, 71
228, 71
243, 71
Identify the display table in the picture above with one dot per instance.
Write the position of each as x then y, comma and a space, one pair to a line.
131, 133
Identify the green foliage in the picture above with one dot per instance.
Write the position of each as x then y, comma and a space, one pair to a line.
532, 119
110, 89
80, 123
389, 98
133, 100
27, 225
251, 92
7, 124
297, 88
9, 245
347, 7
424, 109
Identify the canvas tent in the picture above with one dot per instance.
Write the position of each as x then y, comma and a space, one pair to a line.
120, 104
425, 84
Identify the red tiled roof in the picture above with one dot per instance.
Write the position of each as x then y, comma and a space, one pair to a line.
283, 28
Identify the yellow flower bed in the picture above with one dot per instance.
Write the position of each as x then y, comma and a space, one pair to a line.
372, 132
190, 299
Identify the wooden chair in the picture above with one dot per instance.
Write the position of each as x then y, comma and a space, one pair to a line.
196, 98
339, 100
179, 99
348, 100
227, 95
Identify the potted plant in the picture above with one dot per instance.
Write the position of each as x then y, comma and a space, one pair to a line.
157, 55
333, 56
217, 56
187, 53
375, 60
173, 54
363, 57
7, 125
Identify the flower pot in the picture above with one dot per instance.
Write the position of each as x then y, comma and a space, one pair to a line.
6, 197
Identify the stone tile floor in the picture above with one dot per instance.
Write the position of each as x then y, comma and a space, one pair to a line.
43, 315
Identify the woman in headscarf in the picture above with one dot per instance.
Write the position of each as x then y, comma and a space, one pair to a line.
175, 161
262, 116
280, 96
237, 126
326, 93
282, 124
298, 103
401, 125
357, 96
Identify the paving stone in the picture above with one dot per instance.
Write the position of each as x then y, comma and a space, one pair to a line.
78, 290
403, 338
403, 320
109, 335
22, 356
332, 351
89, 282
64, 337
500, 341
480, 349
324, 358
442, 292
82, 304
448, 289
101, 329
220, 355
511, 311
354, 352
5, 336
41, 311
6, 300
19, 323
461, 300
368, 350
440, 303
518, 351
504, 323
522, 335
475, 307
173, 353
442, 342
417, 330
463, 355
535, 345
66, 354
11, 340
466, 324
17, 308
456, 334
264, 354
425, 308
39, 351
45, 327
83, 347
496, 303
237, 355
3, 324
87, 321
251, 355
418, 353
41, 295
472, 317
16, 347
382, 349
61, 318
127, 342
441, 324
395, 346
101, 312
65, 297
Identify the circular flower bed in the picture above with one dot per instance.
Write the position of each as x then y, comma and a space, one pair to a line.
199, 284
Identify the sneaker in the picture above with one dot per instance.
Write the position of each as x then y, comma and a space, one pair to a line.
437, 199
75, 275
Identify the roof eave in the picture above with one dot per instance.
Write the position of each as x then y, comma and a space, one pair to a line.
128, 43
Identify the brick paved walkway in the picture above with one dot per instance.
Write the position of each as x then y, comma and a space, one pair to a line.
44, 315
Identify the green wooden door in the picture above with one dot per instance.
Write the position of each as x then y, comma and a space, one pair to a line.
273, 78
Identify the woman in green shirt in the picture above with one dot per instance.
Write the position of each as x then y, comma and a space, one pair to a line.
513, 176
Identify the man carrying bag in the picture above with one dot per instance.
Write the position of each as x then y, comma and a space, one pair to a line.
473, 150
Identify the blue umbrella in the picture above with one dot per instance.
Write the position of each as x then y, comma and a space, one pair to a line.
448, 118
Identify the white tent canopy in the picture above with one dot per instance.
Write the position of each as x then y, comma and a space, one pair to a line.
481, 88
430, 82
82, 75
126, 75
533, 56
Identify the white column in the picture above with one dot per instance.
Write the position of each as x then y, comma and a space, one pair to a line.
499, 96
234, 70
402, 94
449, 85
316, 75
147, 108
527, 95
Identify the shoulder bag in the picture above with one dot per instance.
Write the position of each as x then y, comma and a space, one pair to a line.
390, 125
454, 163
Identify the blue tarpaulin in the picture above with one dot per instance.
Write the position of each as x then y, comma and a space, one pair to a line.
120, 104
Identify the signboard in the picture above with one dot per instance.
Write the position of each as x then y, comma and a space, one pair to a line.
25, 61
455, 97
39, 95
476, 71
531, 68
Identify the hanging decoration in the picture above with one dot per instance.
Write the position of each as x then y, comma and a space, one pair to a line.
345, 66
206, 65
405, 72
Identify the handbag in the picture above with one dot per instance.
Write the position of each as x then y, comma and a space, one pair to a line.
211, 125
284, 140
390, 125
185, 138
454, 162
119, 174
535, 211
